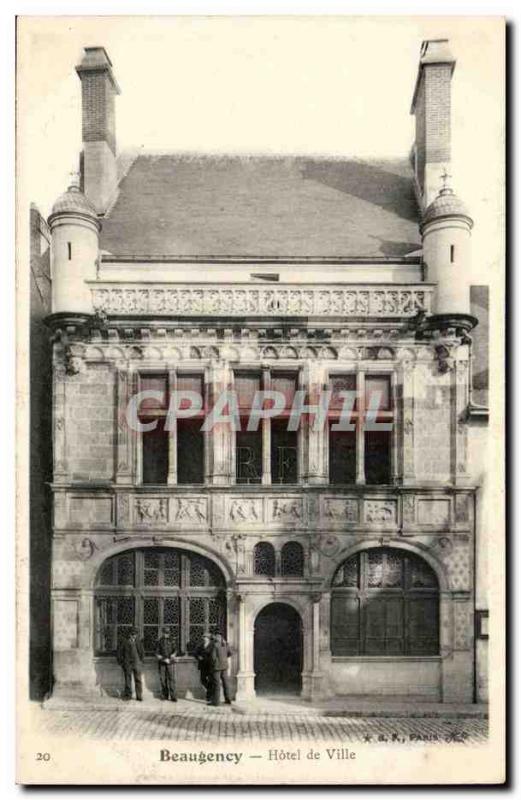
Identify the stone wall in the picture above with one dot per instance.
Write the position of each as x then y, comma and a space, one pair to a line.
89, 422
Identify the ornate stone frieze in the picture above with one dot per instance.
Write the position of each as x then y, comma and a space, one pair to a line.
228, 300
285, 510
151, 511
408, 508
340, 510
191, 509
246, 510
380, 511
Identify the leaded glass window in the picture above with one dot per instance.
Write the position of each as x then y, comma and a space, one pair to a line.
157, 587
264, 559
292, 559
384, 601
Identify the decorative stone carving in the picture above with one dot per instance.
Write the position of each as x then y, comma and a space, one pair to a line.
73, 363
327, 545
123, 509
444, 544
380, 511
65, 623
228, 300
408, 508
86, 548
286, 510
245, 510
151, 511
191, 509
444, 358
458, 567
341, 509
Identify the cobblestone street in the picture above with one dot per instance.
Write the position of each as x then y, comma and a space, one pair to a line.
186, 723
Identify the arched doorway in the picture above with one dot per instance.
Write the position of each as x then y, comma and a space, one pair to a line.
278, 650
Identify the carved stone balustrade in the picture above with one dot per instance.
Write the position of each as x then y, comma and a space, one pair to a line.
393, 301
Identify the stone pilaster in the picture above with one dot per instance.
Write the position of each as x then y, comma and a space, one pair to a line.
406, 469
313, 437
220, 439
124, 466
459, 409
59, 424
245, 675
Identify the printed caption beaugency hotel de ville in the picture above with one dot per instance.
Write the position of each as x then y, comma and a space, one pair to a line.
338, 558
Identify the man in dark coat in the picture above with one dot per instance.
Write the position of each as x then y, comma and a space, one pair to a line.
202, 654
165, 654
220, 651
130, 656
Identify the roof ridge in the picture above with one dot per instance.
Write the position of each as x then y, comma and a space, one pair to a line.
196, 155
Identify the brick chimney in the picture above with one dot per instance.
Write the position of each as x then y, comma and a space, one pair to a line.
431, 106
98, 92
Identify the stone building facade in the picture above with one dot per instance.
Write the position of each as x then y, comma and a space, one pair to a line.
334, 562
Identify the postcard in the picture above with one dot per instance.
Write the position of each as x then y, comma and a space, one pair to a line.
260, 272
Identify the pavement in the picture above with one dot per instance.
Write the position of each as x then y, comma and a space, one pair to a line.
360, 720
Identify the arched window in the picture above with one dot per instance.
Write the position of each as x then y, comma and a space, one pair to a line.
384, 601
157, 587
292, 559
264, 559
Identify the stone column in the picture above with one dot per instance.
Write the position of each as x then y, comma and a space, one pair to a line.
312, 678
245, 675
221, 438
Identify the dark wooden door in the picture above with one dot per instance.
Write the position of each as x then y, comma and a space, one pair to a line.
278, 650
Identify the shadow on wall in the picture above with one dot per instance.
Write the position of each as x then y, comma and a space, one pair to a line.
40, 460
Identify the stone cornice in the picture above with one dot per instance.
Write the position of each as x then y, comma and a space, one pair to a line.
109, 258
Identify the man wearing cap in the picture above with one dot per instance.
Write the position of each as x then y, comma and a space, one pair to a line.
165, 654
220, 651
202, 654
130, 656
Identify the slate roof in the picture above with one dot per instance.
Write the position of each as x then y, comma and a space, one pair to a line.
178, 204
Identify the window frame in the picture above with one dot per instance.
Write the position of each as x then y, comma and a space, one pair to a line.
171, 377
139, 592
363, 593
267, 376
357, 418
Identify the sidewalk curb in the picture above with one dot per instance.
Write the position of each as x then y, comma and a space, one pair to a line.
180, 709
